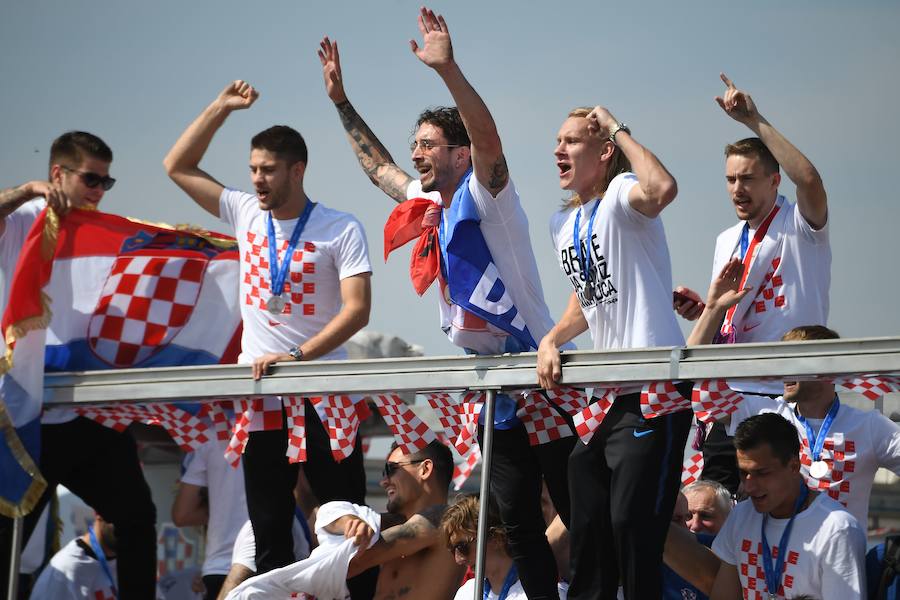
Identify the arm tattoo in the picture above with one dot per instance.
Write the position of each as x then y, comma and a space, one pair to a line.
499, 175
12, 199
374, 158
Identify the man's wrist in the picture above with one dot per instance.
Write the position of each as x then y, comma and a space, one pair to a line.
296, 353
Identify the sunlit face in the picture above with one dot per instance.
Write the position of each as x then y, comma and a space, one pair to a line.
273, 179
802, 392
681, 515
705, 513
769, 484
403, 486
70, 179
580, 156
440, 165
752, 191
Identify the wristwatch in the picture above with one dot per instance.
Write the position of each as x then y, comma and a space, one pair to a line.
619, 127
296, 353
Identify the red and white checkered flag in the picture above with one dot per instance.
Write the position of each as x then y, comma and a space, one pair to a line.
713, 400
463, 470
296, 426
569, 399
338, 413
470, 408
692, 467
188, 431
588, 420
449, 413
244, 410
411, 433
541, 420
215, 411
872, 387
660, 398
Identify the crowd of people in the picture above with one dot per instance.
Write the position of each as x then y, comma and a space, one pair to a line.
620, 526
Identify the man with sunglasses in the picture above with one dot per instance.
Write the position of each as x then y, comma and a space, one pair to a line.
464, 199
97, 463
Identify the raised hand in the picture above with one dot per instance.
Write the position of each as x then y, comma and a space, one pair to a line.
601, 121
737, 104
725, 290
331, 70
238, 95
436, 50
56, 198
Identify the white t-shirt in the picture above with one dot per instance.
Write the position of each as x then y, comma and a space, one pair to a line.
74, 575
505, 230
826, 551
467, 591
857, 444
632, 303
244, 552
206, 467
332, 247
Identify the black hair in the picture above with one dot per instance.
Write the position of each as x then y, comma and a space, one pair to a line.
771, 429
283, 141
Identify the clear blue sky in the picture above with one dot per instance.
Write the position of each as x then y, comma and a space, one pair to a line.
824, 72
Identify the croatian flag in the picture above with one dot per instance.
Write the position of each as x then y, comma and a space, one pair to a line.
97, 291
472, 277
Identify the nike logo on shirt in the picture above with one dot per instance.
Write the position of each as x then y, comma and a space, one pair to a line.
640, 434
750, 327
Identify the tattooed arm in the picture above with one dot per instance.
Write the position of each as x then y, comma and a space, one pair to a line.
419, 532
488, 161
373, 157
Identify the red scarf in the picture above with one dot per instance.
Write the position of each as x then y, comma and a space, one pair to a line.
416, 218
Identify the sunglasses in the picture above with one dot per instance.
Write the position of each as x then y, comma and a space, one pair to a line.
462, 547
428, 146
92, 180
392, 467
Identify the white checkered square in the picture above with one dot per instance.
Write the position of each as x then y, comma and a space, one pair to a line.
692, 467
186, 430
588, 420
712, 400
569, 399
463, 470
244, 410
448, 411
660, 398
296, 426
256, 276
341, 421
541, 420
872, 387
411, 433
470, 408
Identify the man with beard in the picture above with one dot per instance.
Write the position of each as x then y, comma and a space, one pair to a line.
305, 290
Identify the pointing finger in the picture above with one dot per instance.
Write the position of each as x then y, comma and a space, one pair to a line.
726, 81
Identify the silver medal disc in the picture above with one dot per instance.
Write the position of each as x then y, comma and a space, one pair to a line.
275, 305
589, 291
818, 469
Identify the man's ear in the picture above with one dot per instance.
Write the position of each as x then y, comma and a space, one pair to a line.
298, 169
463, 156
56, 174
608, 149
426, 468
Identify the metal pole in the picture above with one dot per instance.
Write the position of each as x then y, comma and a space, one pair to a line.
15, 556
486, 455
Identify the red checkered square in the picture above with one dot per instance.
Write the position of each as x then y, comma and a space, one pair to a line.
541, 420
470, 408
571, 400
186, 430
410, 432
296, 426
753, 574
463, 470
660, 398
840, 456
448, 412
872, 387
338, 414
145, 302
244, 410
713, 400
588, 420
256, 276
692, 467
216, 413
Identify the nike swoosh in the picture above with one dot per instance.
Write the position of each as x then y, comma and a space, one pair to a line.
273, 323
640, 434
751, 327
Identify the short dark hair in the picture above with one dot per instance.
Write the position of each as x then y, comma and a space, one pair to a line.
448, 119
771, 429
754, 146
441, 459
72, 146
810, 332
283, 141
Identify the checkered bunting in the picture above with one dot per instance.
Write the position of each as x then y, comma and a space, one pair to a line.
296, 426
588, 419
188, 431
448, 412
215, 411
145, 302
244, 411
872, 387
341, 422
712, 400
571, 400
470, 408
411, 433
660, 398
463, 470
541, 420
692, 467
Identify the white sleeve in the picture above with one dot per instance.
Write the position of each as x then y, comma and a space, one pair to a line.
53, 583
495, 209
231, 204
813, 236
885, 436
723, 545
195, 472
618, 191
244, 551
352, 251
842, 564
750, 406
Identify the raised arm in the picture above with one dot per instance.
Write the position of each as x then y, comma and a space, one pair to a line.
13, 198
182, 163
656, 187
571, 324
488, 161
373, 157
724, 292
811, 197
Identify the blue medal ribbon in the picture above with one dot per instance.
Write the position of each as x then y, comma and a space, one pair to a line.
773, 572
817, 442
584, 262
745, 239
512, 576
278, 274
101, 557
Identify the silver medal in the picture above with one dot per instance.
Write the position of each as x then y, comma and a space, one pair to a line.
275, 305
589, 291
818, 469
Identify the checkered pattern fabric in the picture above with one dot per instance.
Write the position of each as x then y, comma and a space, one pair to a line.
872, 387
244, 410
750, 560
174, 552
256, 275
840, 456
215, 412
296, 426
541, 420
145, 302
448, 412
463, 470
470, 408
188, 431
410, 432
588, 420
713, 400
571, 400
692, 467
771, 292
660, 398
341, 421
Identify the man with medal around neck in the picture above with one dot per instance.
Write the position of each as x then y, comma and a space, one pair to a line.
322, 273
